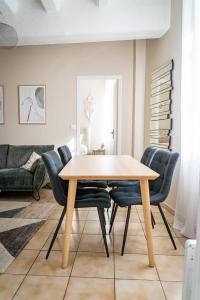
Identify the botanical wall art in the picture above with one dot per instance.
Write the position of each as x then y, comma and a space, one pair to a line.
160, 106
32, 104
1, 105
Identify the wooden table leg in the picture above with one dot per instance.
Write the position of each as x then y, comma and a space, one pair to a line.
144, 185
68, 222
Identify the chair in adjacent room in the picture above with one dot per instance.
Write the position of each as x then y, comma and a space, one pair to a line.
164, 163
65, 155
98, 198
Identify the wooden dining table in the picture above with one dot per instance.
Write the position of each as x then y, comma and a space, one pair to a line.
106, 167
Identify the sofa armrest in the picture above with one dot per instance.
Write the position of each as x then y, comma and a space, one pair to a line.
39, 176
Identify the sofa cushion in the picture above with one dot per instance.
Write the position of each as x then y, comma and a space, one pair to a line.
3, 155
18, 155
30, 162
16, 179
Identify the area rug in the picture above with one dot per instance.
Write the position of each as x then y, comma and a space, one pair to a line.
19, 221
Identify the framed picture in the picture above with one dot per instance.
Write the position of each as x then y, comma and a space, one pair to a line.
1, 105
32, 104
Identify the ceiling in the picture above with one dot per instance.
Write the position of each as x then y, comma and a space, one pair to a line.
74, 21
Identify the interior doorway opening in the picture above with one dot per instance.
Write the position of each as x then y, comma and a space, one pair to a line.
98, 115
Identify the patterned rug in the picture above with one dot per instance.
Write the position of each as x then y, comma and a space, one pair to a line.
19, 221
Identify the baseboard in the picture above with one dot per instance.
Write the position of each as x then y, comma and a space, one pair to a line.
168, 208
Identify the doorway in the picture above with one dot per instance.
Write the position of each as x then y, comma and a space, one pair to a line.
98, 115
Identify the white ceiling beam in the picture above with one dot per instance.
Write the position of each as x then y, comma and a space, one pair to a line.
102, 3
8, 6
51, 6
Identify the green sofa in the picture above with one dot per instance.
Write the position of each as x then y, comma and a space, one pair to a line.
14, 178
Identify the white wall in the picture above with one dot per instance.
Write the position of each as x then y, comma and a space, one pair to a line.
158, 52
58, 66
140, 68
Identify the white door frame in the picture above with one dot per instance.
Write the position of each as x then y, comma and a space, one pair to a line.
119, 109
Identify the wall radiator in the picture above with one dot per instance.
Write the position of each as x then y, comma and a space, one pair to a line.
190, 247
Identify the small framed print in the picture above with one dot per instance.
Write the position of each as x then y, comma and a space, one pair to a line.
1, 104
32, 104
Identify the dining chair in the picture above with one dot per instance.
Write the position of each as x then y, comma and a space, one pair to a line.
146, 160
98, 198
65, 155
164, 163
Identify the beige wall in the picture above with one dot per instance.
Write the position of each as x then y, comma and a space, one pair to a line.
158, 52
58, 66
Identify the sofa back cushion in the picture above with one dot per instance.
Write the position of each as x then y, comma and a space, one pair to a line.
3, 155
18, 155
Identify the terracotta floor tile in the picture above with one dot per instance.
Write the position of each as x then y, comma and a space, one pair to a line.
92, 272
42, 288
134, 266
77, 226
173, 290
163, 245
90, 289
80, 215
134, 244
9, 285
133, 228
170, 268
160, 230
121, 217
93, 227
138, 290
23, 262
58, 244
93, 216
89, 264
94, 243
153, 208
38, 241
52, 265
183, 241
156, 215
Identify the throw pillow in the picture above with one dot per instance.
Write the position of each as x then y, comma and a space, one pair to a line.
30, 162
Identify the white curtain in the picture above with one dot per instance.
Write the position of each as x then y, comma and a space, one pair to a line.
189, 184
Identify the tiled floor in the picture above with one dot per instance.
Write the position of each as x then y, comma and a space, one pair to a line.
90, 274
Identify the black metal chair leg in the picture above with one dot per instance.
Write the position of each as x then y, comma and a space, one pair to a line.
101, 219
113, 209
108, 213
113, 218
104, 218
56, 232
167, 226
153, 219
126, 229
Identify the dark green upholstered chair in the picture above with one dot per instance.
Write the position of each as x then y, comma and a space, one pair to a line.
98, 198
164, 163
146, 159
65, 155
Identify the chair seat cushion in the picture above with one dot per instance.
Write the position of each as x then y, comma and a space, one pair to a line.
92, 183
16, 179
92, 198
132, 196
121, 183
124, 197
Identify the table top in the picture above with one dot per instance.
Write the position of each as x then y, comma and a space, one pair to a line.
110, 167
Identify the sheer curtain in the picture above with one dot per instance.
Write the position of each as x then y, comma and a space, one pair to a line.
188, 196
